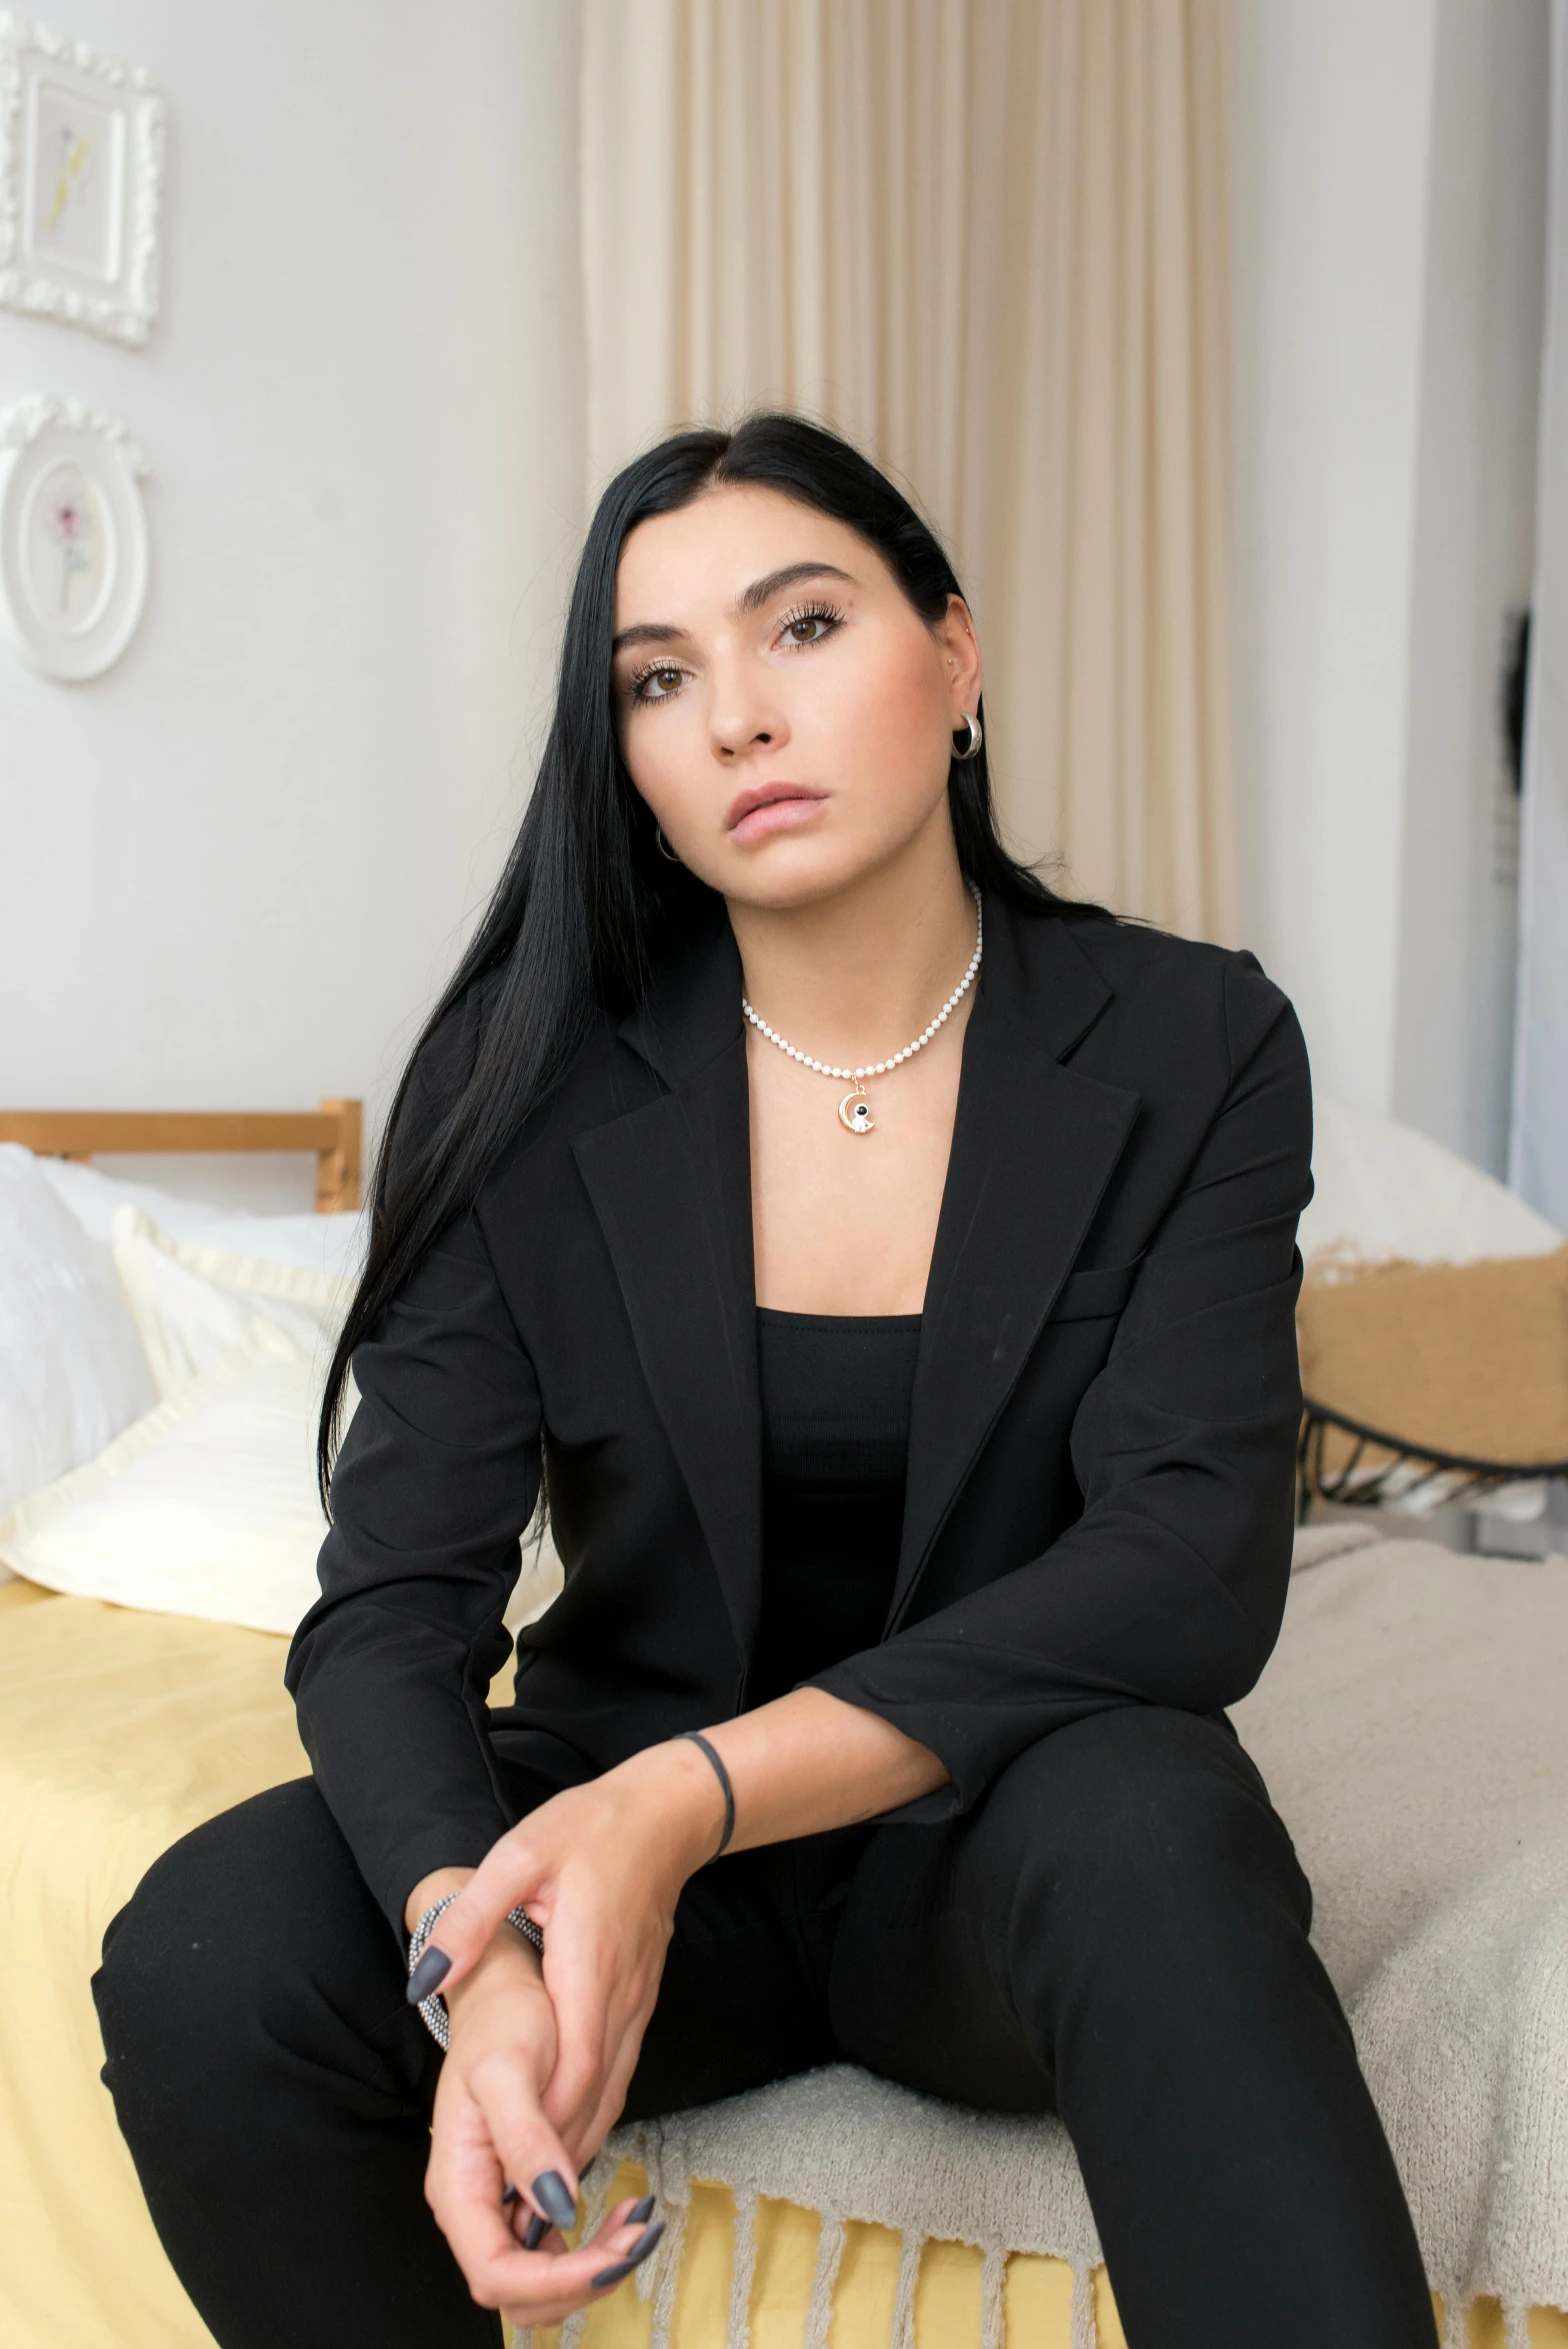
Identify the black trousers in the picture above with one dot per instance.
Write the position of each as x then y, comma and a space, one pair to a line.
1117, 1933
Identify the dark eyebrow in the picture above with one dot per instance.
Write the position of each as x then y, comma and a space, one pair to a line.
750, 599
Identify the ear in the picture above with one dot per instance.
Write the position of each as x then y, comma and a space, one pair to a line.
960, 649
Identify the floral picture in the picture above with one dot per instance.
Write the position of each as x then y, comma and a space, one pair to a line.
81, 175
73, 536
73, 210
70, 549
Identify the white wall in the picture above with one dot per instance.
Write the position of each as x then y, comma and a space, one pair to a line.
235, 869
1538, 1163
1471, 567
1390, 195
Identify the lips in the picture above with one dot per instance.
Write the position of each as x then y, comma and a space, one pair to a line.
771, 807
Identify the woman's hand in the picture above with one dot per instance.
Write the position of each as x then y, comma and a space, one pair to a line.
489, 2128
541, 2055
600, 1869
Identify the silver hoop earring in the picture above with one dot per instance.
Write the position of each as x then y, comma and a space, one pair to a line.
664, 847
976, 737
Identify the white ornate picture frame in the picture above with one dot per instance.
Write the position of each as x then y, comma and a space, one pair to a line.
73, 536
81, 174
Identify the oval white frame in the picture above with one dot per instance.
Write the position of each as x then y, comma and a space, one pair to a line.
38, 437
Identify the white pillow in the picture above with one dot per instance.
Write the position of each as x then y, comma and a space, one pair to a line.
72, 1373
207, 1506
194, 1300
1385, 1190
317, 1243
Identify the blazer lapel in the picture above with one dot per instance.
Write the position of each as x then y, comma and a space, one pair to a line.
1034, 1145
671, 1186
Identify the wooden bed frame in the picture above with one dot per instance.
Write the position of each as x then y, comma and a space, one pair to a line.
331, 1130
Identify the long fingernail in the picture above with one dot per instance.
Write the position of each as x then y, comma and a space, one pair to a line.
554, 2197
535, 2231
640, 2212
431, 1971
634, 2258
509, 2196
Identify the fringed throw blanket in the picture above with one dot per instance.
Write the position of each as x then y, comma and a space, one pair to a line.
853, 2147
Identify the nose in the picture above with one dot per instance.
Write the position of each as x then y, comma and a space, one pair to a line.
743, 714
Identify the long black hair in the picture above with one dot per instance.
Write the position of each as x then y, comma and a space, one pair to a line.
585, 898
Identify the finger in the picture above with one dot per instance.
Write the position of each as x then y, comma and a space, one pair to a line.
571, 2280
537, 2231
583, 2103
581, 2000
479, 2232
633, 2256
503, 1881
625, 2217
586, 2140
586, 2143
532, 2154
465, 2185
532, 2231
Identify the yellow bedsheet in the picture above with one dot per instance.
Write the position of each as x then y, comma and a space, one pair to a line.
120, 1731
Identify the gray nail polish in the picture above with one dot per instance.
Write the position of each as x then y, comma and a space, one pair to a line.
640, 2212
634, 2258
428, 1976
554, 2197
535, 2231
509, 2196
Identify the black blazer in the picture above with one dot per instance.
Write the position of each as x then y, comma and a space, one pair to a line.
1099, 1499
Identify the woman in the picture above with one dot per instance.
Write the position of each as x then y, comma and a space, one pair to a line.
890, 1270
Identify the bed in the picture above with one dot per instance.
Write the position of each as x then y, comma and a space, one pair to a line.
822, 2211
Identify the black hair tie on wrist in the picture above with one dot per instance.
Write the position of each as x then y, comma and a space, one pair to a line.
723, 1778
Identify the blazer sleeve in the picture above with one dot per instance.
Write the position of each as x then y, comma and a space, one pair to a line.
434, 1487
1170, 1587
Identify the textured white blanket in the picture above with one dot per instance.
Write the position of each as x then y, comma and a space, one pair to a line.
1413, 1730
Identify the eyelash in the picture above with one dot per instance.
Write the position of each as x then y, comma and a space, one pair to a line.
793, 619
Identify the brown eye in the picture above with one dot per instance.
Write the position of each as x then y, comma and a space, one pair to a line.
667, 680
801, 630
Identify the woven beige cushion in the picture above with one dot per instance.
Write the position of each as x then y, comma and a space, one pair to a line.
1465, 1359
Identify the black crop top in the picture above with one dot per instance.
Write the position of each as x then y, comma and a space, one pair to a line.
835, 1392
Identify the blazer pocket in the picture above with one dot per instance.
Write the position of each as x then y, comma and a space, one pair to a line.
1087, 1296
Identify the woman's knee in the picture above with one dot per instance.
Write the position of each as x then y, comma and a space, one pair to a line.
225, 1932
1144, 1811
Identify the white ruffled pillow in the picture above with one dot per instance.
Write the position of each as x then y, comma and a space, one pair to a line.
317, 1243
72, 1373
193, 1300
207, 1506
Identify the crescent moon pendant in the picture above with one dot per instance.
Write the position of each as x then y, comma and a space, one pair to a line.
854, 1113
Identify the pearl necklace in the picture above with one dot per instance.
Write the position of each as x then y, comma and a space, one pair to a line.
854, 1111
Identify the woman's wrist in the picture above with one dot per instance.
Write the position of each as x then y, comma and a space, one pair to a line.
429, 1890
681, 1791
508, 1965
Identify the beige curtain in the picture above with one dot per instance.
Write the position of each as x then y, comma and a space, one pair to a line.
987, 240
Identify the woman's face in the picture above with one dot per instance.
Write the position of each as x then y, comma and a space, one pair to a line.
783, 709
